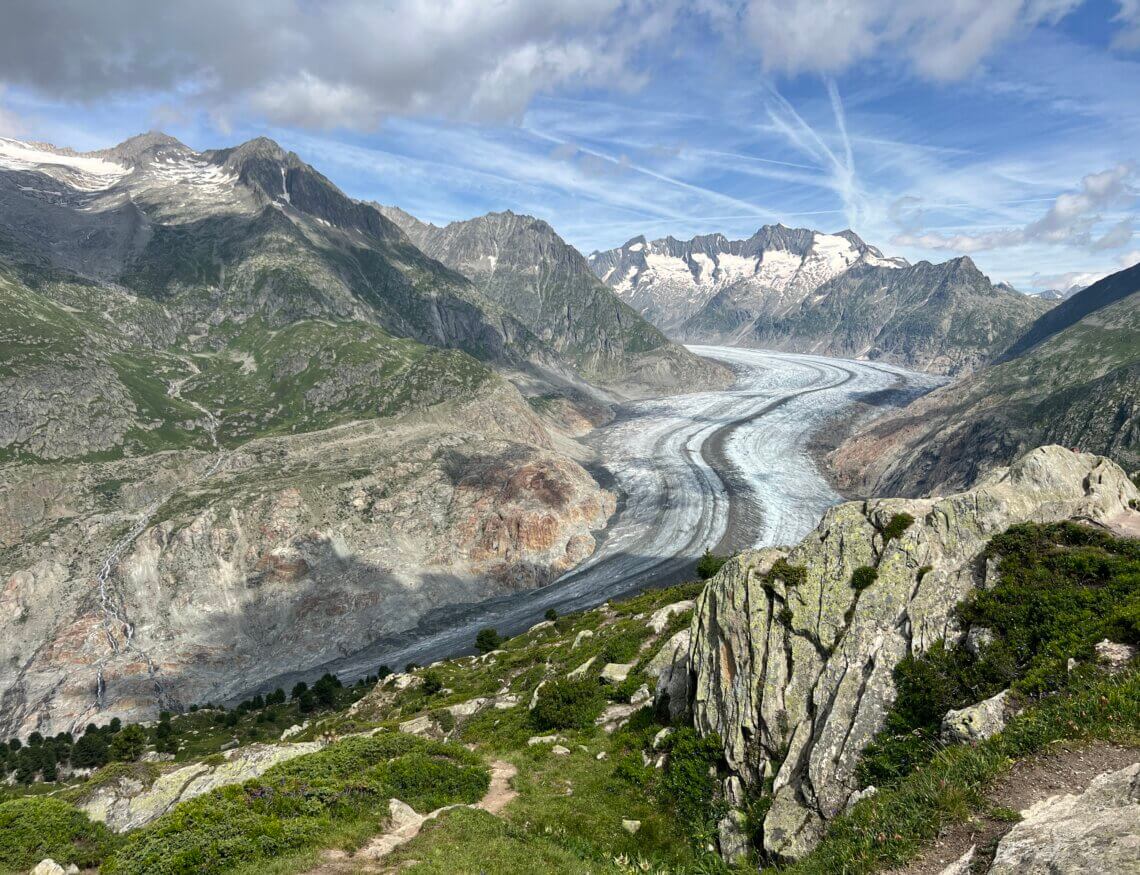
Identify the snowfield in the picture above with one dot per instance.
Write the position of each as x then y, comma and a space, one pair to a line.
725, 470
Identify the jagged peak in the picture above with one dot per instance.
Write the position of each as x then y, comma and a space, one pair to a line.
136, 149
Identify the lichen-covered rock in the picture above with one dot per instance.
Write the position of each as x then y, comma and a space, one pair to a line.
660, 618
616, 672
975, 722
961, 866
732, 836
1094, 831
128, 804
792, 666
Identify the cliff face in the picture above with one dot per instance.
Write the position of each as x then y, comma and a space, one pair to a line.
792, 666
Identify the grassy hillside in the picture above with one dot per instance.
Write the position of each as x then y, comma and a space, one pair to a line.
603, 784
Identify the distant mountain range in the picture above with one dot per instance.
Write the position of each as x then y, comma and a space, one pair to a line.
805, 291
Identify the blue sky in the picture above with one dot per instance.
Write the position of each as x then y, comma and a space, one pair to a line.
1008, 130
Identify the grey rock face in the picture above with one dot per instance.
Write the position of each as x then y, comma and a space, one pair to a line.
976, 722
796, 675
127, 804
671, 668
1095, 831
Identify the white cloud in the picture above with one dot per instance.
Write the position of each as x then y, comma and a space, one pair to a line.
1118, 235
1129, 258
940, 41
338, 63
1128, 37
1069, 220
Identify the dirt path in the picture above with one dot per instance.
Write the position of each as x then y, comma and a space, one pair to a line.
1065, 768
406, 825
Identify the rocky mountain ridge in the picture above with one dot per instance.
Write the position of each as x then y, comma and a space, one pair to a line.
520, 263
803, 291
238, 393
1073, 378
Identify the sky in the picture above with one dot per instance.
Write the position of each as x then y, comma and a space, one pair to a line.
1006, 130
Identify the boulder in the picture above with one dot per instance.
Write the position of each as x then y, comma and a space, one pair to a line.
616, 672
615, 716
423, 726
1113, 656
859, 795
793, 668
963, 865
559, 751
661, 736
641, 695
48, 867
976, 722
660, 618
1094, 831
580, 637
543, 739
631, 826
732, 837
581, 670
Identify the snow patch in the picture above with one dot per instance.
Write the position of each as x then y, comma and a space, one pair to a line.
78, 171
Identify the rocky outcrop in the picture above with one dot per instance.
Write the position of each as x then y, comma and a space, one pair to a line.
128, 803
975, 722
1094, 831
792, 665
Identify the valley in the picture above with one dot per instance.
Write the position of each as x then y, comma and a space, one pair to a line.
728, 470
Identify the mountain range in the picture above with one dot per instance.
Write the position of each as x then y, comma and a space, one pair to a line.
247, 410
805, 291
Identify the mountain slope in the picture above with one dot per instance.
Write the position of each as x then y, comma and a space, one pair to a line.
804, 291
1075, 383
251, 427
520, 263
943, 318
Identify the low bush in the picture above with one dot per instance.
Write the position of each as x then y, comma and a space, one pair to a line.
568, 703
36, 827
898, 524
689, 784
862, 577
1061, 588
709, 564
487, 640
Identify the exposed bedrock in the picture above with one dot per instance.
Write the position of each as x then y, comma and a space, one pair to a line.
792, 665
